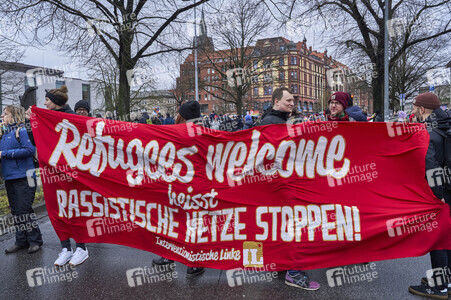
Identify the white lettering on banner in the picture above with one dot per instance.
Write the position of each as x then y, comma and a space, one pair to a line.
306, 158
155, 166
302, 157
310, 223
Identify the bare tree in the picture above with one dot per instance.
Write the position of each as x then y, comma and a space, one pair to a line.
362, 29
11, 81
407, 73
128, 30
235, 29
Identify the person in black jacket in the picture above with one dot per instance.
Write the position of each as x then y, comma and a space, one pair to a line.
426, 108
283, 103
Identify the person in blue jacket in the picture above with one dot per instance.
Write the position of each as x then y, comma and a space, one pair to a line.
16, 153
354, 111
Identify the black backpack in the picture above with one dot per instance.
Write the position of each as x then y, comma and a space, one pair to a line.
446, 134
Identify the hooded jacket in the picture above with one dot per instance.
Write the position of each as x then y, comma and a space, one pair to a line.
272, 116
356, 113
435, 156
17, 156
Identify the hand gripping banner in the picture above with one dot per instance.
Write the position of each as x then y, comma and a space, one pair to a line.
306, 196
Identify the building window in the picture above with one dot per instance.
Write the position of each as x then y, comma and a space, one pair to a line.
294, 88
294, 75
204, 108
255, 64
281, 75
255, 91
267, 90
267, 64
267, 77
282, 48
60, 83
86, 92
281, 61
293, 60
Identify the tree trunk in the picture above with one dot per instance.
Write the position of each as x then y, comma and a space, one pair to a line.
125, 63
378, 87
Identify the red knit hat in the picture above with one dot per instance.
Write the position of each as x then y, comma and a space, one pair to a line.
427, 100
341, 97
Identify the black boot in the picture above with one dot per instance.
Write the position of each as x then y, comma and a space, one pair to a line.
161, 261
194, 272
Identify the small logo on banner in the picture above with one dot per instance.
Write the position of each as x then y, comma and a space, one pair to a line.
252, 254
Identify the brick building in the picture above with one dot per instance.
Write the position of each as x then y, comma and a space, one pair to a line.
258, 70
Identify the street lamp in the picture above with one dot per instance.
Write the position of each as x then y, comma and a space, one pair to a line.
196, 85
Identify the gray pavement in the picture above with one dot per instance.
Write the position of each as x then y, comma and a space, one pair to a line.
104, 276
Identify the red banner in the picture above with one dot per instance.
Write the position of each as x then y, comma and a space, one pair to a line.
306, 196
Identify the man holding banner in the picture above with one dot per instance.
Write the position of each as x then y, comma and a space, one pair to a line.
426, 108
283, 103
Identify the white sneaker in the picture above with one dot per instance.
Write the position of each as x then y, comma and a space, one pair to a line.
80, 256
63, 257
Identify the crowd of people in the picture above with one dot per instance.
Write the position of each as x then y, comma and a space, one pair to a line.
17, 152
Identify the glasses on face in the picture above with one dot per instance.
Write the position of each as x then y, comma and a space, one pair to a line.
334, 103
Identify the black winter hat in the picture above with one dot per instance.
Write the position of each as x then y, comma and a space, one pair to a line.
82, 104
190, 110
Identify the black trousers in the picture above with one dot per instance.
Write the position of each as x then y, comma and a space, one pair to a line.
442, 258
20, 198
